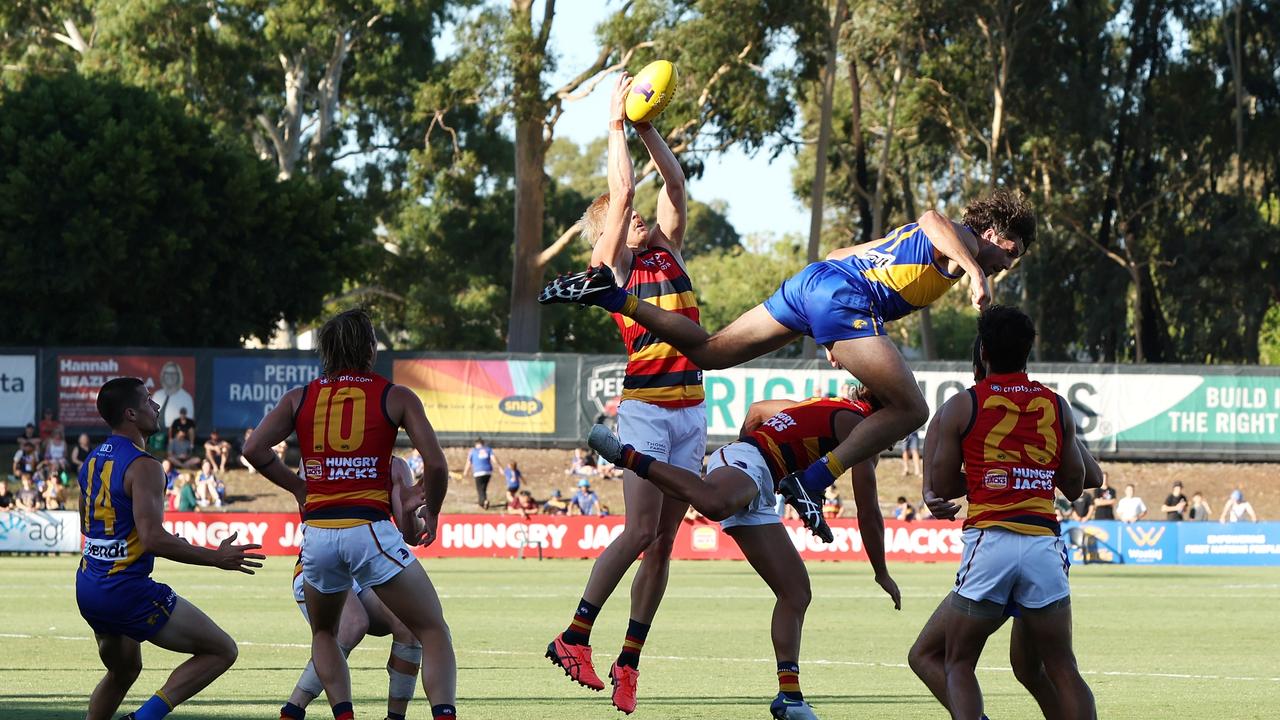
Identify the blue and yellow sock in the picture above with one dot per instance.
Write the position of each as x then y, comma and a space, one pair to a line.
155, 708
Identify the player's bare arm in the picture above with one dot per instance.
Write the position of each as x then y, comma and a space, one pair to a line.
938, 495
672, 215
1071, 469
144, 483
406, 410
760, 411
960, 246
274, 429
403, 508
611, 248
943, 455
870, 520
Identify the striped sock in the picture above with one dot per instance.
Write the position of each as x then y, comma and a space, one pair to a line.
343, 711
155, 708
443, 712
579, 631
636, 461
789, 680
292, 712
631, 647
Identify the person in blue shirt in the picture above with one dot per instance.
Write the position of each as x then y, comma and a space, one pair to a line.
480, 462
514, 479
122, 491
585, 501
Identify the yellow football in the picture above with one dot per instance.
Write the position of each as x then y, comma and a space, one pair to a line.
651, 90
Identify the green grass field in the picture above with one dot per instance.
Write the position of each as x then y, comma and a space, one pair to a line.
1153, 643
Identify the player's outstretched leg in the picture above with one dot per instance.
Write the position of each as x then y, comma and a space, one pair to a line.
792, 489
411, 597
212, 651
769, 550
968, 625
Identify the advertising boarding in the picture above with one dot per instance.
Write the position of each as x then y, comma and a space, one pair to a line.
247, 388
17, 390
40, 531
171, 380
483, 397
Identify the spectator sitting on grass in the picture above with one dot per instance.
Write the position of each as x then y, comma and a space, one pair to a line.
180, 449
207, 486
578, 465
170, 473
606, 469
585, 501
522, 504
7, 499
217, 451
55, 450
1082, 508
831, 503
555, 505
28, 497
1237, 508
514, 478
183, 424
187, 500
904, 510
26, 459
54, 496
1199, 510
1130, 508
30, 435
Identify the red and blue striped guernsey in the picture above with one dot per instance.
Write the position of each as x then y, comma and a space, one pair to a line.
656, 372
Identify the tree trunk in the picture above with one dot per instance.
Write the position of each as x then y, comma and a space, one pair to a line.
525, 332
1234, 53
818, 193
860, 154
877, 204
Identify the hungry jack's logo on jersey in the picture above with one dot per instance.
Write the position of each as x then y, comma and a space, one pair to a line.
314, 469
996, 479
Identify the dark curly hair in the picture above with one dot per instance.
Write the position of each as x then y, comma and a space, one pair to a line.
1006, 334
1005, 212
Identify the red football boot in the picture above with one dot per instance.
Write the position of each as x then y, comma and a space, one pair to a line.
624, 680
576, 662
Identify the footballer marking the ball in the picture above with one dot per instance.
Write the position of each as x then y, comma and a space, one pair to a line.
651, 91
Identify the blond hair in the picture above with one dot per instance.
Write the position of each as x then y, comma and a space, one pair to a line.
347, 342
592, 221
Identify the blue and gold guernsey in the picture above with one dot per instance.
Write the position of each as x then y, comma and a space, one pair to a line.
114, 588
854, 297
902, 271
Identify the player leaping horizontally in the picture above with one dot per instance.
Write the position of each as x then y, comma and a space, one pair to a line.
347, 421
662, 410
364, 614
777, 438
843, 304
1015, 443
121, 514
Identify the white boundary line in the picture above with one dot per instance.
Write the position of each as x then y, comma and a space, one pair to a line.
682, 658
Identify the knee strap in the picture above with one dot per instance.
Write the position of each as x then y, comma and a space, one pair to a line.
402, 670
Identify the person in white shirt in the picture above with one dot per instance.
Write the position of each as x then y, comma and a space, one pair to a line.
1237, 508
1130, 508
